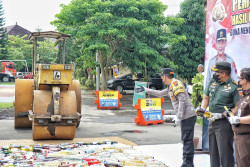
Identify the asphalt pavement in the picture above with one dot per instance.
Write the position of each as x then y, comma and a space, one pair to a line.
104, 123
163, 141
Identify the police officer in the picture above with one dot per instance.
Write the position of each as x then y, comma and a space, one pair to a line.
241, 121
185, 113
221, 42
221, 91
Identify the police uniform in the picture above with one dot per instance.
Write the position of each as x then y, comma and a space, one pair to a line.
242, 131
221, 35
184, 111
220, 131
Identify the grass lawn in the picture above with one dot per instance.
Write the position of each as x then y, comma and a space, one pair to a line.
7, 83
6, 105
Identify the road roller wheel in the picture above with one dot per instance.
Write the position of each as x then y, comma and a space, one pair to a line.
53, 132
23, 102
76, 86
43, 106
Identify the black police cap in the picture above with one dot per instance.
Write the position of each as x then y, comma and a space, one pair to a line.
167, 71
221, 34
223, 65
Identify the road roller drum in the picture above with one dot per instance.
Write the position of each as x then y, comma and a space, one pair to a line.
23, 102
76, 86
43, 126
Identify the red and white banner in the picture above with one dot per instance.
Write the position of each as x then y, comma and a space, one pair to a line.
233, 17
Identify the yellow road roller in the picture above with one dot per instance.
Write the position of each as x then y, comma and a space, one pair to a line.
51, 102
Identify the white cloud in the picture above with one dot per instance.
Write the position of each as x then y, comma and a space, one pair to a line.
173, 6
32, 14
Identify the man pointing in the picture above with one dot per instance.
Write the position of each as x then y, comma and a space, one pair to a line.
185, 113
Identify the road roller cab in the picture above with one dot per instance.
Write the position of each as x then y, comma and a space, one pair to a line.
53, 108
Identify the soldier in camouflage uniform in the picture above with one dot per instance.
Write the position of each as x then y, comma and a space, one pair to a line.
221, 91
185, 112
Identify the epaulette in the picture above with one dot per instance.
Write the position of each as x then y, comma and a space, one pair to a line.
177, 87
235, 82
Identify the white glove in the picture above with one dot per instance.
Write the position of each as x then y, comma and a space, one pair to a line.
215, 116
177, 121
234, 120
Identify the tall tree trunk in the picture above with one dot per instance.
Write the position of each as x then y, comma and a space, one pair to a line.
104, 67
104, 79
145, 71
101, 62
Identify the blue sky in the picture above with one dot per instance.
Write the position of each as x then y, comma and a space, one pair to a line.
33, 14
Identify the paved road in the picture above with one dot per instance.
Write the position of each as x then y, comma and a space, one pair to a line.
101, 123
7, 93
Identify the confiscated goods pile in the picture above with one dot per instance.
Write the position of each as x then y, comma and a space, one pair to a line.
105, 154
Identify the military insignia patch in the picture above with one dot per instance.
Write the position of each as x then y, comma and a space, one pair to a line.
235, 82
240, 90
175, 83
177, 87
173, 98
234, 68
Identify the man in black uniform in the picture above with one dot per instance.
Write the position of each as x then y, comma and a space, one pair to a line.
220, 92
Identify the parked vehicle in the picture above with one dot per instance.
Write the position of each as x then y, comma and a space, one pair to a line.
127, 83
28, 75
8, 71
19, 75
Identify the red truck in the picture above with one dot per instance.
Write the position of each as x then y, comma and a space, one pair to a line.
8, 71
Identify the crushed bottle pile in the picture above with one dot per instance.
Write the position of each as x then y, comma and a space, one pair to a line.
104, 154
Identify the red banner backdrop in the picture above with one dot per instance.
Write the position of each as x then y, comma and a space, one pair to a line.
233, 18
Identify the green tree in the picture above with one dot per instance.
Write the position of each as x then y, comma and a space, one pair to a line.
47, 51
71, 51
3, 37
19, 49
189, 53
117, 30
